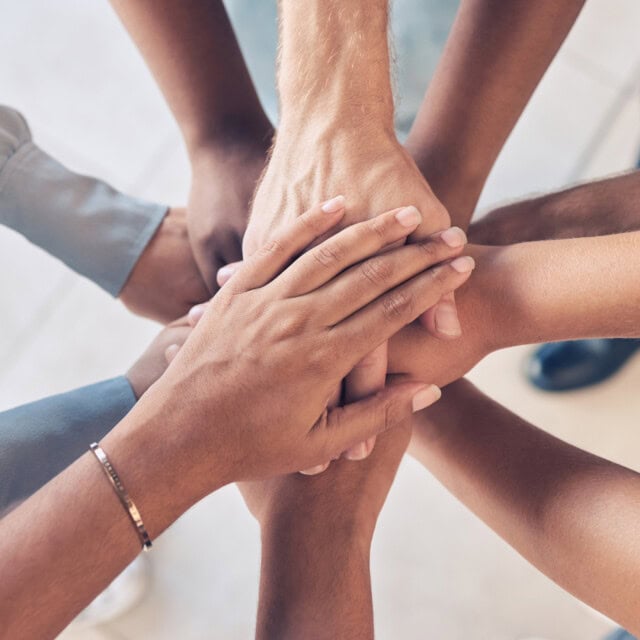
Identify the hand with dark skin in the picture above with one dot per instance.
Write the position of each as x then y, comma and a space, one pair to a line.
165, 282
194, 56
316, 540
153, 362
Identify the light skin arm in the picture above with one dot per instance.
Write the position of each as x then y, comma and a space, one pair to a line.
194, 56
166, 451
334, 84
495, 57
528, 293
575, 516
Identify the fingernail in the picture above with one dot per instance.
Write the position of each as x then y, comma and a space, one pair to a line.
224, 274
171, 352
409, 217
334, 205
358, 452
464, 264
454, 237
195, 313
425, 398
314, 471
446, 320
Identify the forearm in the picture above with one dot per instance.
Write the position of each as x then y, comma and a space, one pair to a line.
528, 293
192, 51
315, 581
334, 65
66, 543
573, 515
40, 439
496, 54
596, 208
59, 549
569, 289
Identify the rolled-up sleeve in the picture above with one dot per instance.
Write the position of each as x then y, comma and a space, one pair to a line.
40, 439
90, 226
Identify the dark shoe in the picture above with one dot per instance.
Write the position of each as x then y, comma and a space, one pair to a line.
562, 366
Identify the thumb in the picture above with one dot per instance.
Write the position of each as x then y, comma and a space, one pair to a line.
226, 273
389, 408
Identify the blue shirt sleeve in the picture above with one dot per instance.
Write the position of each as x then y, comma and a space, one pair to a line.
94, 229
40, 439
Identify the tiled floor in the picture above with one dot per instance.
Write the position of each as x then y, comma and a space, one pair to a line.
71, 69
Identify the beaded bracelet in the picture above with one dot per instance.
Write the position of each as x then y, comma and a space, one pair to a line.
123, 496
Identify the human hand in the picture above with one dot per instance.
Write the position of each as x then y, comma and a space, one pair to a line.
253, 380
165, 282
367, 378
154, 361
380, 175
316, 539
347, 494
223, 182
484, 303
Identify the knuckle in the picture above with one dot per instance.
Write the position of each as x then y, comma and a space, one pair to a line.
393, 413
275, 246
376, 270
397, 304
328, 254
429, 251
440, 276
379, 227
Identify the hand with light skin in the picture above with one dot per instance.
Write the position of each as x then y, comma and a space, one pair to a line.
336, 132
165, 282
153, 362
315, 581
244, 399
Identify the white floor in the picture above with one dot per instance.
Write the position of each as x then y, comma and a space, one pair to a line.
69, 66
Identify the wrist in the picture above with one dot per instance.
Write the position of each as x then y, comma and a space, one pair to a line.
234, 139
160, 465
342, 525
456, 183
502, 284
349, 39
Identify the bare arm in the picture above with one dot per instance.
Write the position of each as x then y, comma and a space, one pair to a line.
495, 56
528, 293
192, 51
602, 207
316, 540
62, 545
573, 515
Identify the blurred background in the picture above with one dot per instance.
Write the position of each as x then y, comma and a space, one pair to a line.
437, 571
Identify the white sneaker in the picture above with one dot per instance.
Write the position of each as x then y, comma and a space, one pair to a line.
124, 593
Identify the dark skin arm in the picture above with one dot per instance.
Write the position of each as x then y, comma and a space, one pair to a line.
316, 539
194, 56
573, 515
598, 208
495, 57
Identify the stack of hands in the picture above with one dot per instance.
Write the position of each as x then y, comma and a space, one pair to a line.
299, 332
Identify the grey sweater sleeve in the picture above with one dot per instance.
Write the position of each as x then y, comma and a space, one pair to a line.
40, 439
94, 229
